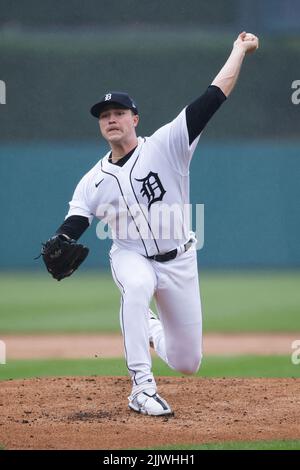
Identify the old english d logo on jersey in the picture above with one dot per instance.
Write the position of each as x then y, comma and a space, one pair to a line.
152, 188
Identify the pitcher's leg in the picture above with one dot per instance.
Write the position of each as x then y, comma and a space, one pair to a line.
179, 305
136, 280
157, 337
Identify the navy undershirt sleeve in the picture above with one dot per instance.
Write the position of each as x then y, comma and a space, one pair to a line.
74, 226
202, 109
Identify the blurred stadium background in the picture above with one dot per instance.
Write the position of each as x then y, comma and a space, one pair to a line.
58, 57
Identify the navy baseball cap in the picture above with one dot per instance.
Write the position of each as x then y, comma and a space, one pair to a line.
114, 97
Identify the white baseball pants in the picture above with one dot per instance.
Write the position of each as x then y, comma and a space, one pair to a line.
175, 287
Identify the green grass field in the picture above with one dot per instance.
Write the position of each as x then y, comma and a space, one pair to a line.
89, 302
238, 445
213, 366
241, 445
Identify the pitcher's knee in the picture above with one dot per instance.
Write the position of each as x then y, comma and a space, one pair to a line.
187, 365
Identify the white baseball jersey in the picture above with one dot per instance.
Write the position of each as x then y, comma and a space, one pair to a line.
145, 201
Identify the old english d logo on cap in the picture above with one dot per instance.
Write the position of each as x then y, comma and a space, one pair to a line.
115, 97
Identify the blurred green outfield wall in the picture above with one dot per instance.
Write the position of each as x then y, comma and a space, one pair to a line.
52, 79
58, 57
271, 15
251, 194
104, 13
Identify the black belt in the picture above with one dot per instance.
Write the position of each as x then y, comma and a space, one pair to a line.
170, 254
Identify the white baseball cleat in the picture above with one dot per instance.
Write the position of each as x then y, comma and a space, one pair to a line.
149, 403
154, 324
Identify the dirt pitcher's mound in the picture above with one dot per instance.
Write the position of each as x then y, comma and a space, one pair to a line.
92, 412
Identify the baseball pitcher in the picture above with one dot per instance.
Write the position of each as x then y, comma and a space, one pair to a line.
153, 252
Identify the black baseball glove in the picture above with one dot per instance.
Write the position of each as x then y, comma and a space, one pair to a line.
62, 256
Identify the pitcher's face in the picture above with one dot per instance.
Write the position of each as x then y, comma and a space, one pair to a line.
118, 125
